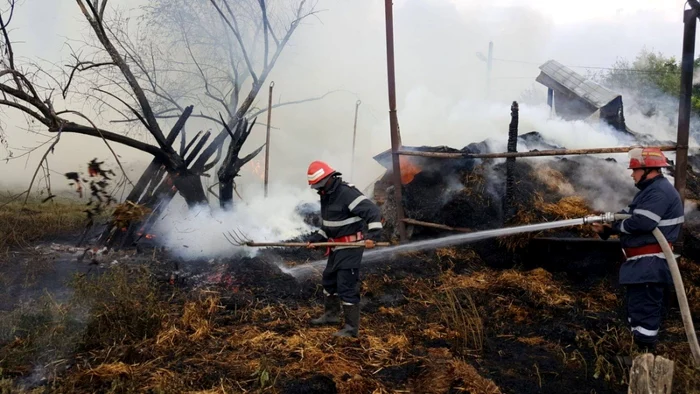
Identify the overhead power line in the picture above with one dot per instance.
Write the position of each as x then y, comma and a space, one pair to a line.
592, 67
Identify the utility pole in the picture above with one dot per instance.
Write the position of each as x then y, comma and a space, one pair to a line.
488, 70
354, 135
489, 61
394, 121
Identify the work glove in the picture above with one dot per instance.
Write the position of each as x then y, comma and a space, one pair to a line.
315, 237
372, 238
604, 231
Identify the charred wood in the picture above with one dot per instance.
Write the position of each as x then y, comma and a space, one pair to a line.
232, 164
508, 203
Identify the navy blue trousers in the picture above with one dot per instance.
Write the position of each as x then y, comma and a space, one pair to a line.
645, 306
342, 275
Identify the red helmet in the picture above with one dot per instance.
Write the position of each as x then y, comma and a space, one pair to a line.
318, 171
647, 158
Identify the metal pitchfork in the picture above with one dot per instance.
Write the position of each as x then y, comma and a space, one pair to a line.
237, 238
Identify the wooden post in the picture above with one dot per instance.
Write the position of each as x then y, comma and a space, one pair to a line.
394, 121
651, 375
509, 200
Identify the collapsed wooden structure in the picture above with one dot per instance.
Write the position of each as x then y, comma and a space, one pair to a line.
680, 147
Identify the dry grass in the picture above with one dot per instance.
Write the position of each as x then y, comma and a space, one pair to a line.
553, 179
566, 208
193, 344
536, 286
607, 345
444, 371
20, 225
106, 371
129, 212
273, 342
570, 207
459, 314
125, 306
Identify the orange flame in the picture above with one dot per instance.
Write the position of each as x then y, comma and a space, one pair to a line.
147, 236
257, 168
409, 169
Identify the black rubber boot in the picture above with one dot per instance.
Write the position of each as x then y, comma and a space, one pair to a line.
625, 360
645, 347
352, 321
331, 314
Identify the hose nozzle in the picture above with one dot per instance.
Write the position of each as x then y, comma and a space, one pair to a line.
607, 217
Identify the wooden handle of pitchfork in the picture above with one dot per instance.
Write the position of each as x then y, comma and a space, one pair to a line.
360, 244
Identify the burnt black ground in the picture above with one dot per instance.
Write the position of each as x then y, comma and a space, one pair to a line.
510, 364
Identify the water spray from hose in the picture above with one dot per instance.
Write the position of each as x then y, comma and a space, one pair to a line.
385, 253
608, 217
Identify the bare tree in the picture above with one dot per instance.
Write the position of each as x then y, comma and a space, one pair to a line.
220, 57
134, 80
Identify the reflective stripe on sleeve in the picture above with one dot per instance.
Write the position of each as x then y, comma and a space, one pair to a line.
374, 226
649, 214
356, 202
341, 223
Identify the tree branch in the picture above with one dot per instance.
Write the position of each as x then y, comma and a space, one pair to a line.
266, 71
204, 79
237, 34
200, 115
96, 22
132, 109
254, 114
118, 138
17, 74
97, 130
266, 28
8, 44
82, 66
31, 183
33, 101
28, 111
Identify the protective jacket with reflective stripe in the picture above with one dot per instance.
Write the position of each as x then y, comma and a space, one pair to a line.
345, 210
657, 204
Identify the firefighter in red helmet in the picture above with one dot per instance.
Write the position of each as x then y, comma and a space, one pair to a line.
645, 272
347, 216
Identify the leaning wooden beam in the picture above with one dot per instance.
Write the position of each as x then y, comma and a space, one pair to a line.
435, 225
535, 153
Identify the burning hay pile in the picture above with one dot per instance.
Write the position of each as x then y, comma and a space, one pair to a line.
470, 194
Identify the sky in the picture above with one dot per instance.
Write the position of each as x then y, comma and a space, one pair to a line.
441, 82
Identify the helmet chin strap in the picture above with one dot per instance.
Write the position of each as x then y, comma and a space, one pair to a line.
646, 173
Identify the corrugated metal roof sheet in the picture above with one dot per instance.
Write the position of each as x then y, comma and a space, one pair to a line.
586, 89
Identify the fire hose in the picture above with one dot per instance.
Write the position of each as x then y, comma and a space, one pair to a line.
610, 217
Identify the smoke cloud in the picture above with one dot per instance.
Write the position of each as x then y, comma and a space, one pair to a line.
442, 97
198, 233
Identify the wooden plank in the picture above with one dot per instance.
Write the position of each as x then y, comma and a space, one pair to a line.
535, 153
436, 225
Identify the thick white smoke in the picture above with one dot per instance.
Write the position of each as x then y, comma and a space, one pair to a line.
441, 92
199, 233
